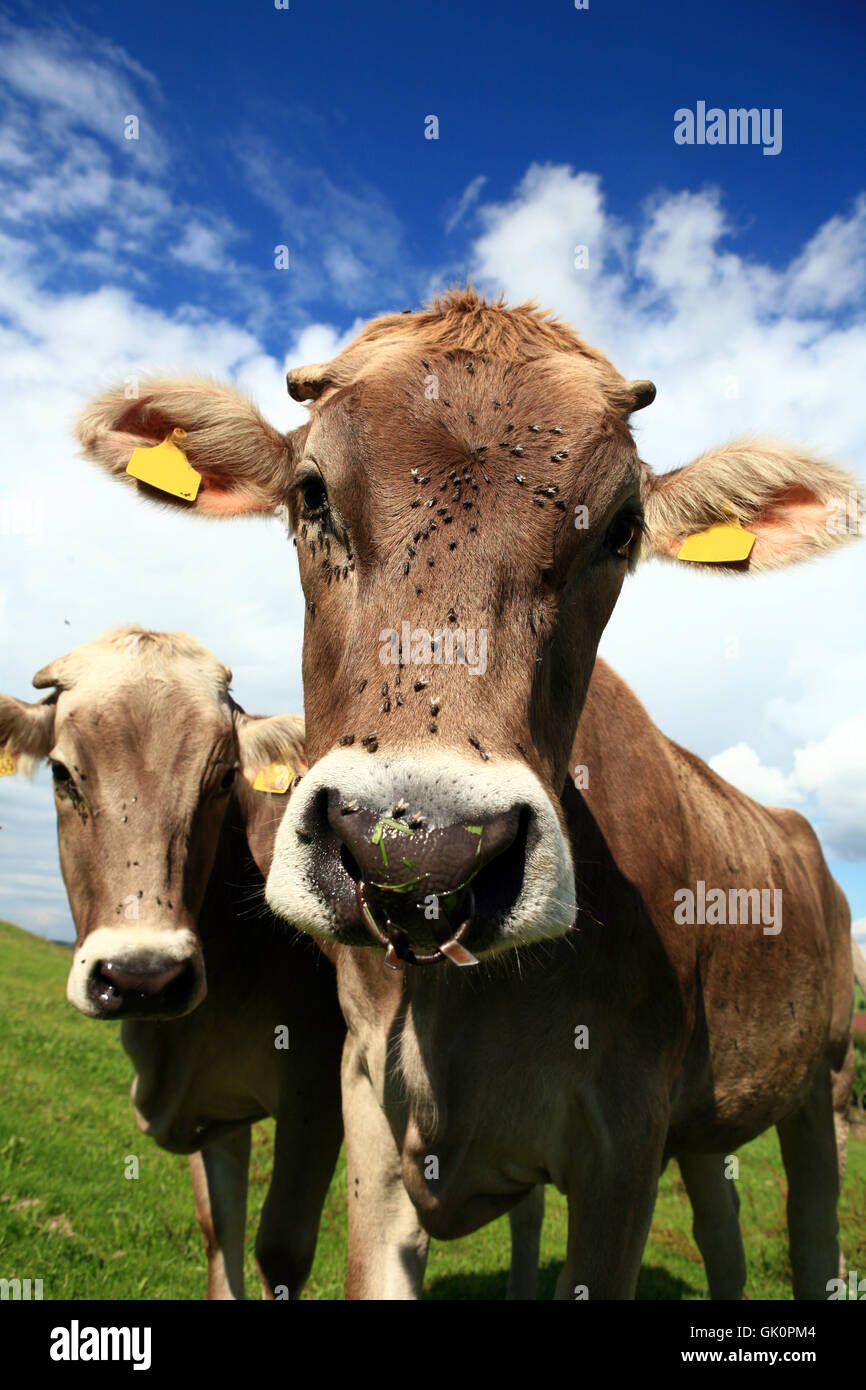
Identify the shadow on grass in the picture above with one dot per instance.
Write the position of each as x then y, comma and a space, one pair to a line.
489, 1284
654, 1283
657, 1283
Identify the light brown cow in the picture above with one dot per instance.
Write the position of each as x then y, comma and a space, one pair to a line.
164, 853
471, 467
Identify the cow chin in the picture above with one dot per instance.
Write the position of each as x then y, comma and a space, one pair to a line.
137, 972
415, 848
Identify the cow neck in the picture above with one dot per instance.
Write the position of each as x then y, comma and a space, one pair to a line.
234, 879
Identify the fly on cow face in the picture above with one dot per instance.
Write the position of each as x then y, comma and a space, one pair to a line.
501, 546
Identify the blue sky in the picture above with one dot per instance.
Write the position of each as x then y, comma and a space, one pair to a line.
274, 120
736, 280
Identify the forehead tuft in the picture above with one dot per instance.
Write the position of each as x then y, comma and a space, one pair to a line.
461, 320
462, 323
124, 656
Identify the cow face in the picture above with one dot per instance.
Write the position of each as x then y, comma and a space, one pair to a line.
446, 582
145, 746
467, 500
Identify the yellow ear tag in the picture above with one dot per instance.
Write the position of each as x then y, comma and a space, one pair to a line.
275, 778
167, 467
7, 765
725, 542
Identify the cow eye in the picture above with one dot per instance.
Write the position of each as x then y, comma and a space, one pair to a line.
227, 781
60, 772
621, 533
314, 498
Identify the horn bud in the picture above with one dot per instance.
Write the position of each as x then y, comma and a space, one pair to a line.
50, 675
642, 393
308, 383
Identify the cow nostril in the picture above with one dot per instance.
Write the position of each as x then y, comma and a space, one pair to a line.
105, 991
117, 988
350, 863
148, 981
499, 884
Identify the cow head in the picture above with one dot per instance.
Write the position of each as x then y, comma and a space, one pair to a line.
145, 746
467, 499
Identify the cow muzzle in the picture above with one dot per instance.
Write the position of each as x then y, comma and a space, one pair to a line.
138, 972
414, 883
430, 857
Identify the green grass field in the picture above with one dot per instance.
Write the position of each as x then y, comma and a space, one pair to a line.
68, 1215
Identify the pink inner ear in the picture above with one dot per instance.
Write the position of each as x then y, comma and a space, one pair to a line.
790, 526
795, 510
788, 515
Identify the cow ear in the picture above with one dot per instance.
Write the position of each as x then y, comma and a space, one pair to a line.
273, 749
245, 465
26, 731
751, 505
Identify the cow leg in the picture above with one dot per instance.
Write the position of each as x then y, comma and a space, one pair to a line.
220, 1173
715, 1222
305, 1155
810, 1154
387, 1245
526, 1220
610, 1208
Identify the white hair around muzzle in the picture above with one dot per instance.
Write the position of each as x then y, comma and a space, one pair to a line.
445, 789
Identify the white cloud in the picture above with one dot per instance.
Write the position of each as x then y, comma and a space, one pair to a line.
79, 81
833, 770
528, 246
831, 271
319, 342
824, 690
202, 247
742, 766
829, 774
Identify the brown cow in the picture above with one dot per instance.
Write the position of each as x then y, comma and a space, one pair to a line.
471, 467
164, 853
